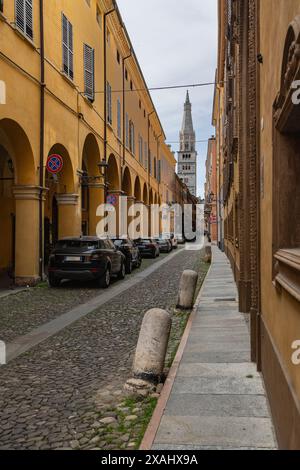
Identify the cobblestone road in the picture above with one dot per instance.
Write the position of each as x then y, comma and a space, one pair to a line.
23, 312
51, 396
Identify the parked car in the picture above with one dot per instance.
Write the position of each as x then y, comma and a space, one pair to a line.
85, 258
173, 240
164, 245
147, 247
130, 251
181, 240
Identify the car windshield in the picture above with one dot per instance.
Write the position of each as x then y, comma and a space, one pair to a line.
62, 244
119, 242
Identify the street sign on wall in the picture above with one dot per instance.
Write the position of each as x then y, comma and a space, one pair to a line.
55, 164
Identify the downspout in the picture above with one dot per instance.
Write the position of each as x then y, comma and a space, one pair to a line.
148, 120
105, 94
124, 106
158, 163
42, 141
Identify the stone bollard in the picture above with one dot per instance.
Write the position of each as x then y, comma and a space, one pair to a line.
207, 254
187, 289
150, 352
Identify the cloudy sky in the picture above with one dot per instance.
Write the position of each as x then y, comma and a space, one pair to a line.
176, 44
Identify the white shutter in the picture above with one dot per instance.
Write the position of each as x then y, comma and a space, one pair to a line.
88, 57
119, 118
127, 131
24, 16
67, 43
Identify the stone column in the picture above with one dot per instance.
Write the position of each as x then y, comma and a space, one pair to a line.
96, 198
27, 235
69, 215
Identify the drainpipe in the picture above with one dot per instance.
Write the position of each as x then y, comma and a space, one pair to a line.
148, 120
42, 141
105, 93
124, 105
158, 164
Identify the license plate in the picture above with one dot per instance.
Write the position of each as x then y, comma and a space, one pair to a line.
73, 258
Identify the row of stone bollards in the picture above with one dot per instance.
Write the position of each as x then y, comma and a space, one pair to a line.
149, 359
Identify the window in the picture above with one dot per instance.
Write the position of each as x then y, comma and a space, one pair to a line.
118, 57
24, 17
155, 168
131, 85
89, 74
109, 103
127, 131
140, 104
119, 118
99, 17
141, 149
126, 74
146, 156
131, 137
108, 37
150, 163
67, 38
159, 170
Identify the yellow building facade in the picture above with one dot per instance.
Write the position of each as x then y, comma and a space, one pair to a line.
74, 88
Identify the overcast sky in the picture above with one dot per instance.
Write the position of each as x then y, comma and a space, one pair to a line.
176, 44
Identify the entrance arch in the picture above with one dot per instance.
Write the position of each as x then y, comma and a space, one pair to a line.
92, 187
19, 205
61, 214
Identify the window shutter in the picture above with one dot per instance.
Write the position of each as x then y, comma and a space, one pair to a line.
119, 118
109, 103
89, 58
67, 40
28, 18
24, 17
127, 131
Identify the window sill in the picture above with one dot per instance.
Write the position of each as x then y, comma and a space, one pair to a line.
68, 79
288, 271
23, 36
88, 101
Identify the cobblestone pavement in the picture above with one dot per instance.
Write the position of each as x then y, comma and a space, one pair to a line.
21, 313
57, 395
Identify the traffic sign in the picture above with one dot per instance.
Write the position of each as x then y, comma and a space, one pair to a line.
112, 199
55, 163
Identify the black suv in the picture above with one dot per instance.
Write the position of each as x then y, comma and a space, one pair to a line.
130, 251
85, 258
148, 247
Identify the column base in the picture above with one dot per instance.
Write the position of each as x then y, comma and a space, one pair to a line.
27, 281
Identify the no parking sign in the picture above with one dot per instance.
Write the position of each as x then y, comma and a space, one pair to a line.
55, 163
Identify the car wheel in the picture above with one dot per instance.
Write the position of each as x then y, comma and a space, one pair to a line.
139, 262
129, 266
154, 254
53, 282
122, 272
104, 281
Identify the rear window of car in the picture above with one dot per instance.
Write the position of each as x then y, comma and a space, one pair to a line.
77, 244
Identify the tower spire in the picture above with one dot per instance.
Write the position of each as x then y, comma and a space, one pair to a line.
187, 123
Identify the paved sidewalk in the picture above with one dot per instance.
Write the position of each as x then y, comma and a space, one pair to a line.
218, 399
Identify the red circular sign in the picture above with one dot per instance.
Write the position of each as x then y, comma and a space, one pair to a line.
55, 163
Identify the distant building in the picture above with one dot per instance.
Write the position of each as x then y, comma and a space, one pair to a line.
187, 155
211, 190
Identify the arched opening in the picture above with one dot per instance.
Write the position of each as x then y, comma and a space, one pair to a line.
137, 189
126, 183
145, 194
92, 190
60, 189
18, 215
112, 176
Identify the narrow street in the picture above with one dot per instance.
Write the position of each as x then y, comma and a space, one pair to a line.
51, 396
